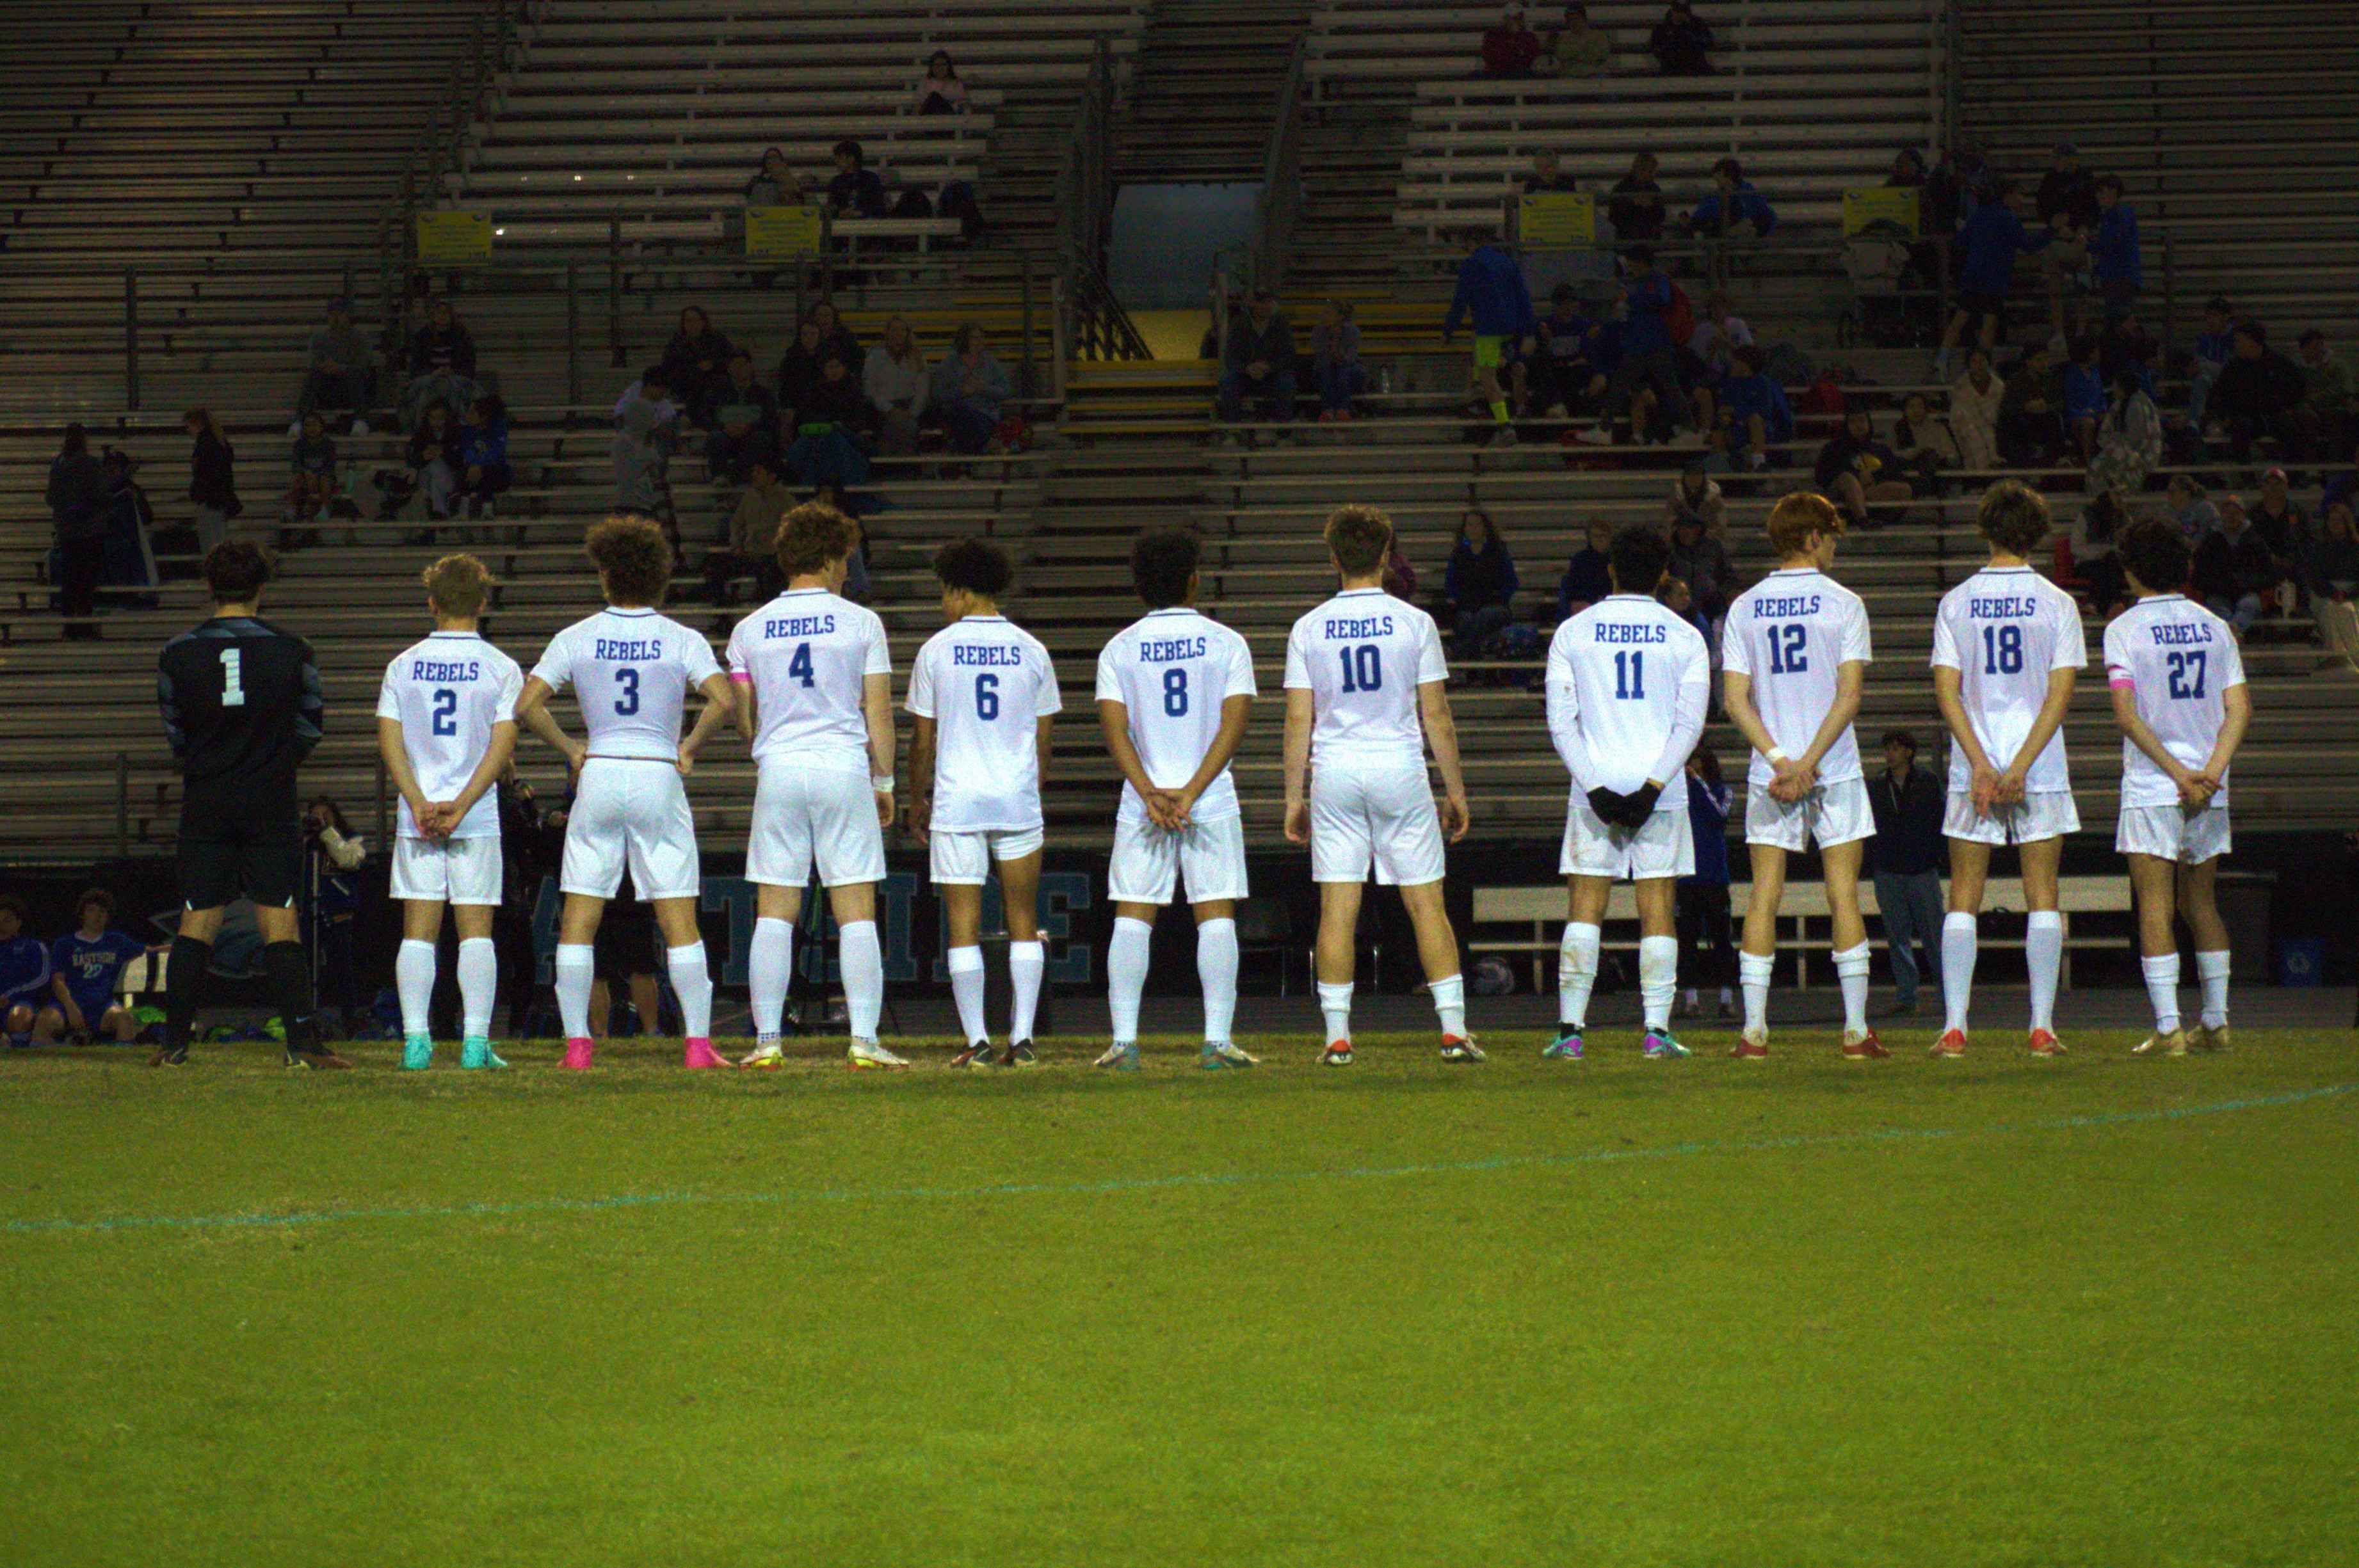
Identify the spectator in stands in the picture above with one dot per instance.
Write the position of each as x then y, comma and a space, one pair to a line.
1335, 362
2031, 410
127, 556
1732, 207
2234, 572
2331, 563
855, 191
2096, 562
1547, 176
433, 459
751, 546
2124, 345
2259, 393
2129, 439
212, 478
746, 423
1859, 473
1636, 203
1586, 580
646, 430
774, 184
832, 429
1648, 356
337, 374
1492, 291
1946, 198
799, 370
441, 363
696, 365
1907, 803
1695, 494
1703, 922
2327, 397
312, 462
2185, 504
484, 469
970, 392
1478, 587
1558, 377
1710, 354
2085, 397
338, 854
2279, 520
941, 92
1701, 561
1682, 43
1993, 237
894, 376
1922, 441
2113, 245
1577, 48
1260, 366
1674, 595
835, 338
1753, 414
1509, 46
1973, 413
2213, 346
77, 501
2067, 193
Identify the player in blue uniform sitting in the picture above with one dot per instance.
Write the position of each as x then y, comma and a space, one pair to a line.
24, 971
86, 964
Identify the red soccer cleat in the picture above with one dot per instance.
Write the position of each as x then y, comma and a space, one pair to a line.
1747, 1046
1867, 1047
2044, 1043
1952, 1042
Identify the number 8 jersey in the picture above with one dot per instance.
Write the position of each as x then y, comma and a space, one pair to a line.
1171, 671
1792, 632
985, 682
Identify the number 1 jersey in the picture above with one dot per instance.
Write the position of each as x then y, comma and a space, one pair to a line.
1362, 654
986, 682
446, 693
1792, 632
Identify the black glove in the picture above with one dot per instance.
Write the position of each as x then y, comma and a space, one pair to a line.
1607, 805
1640, 804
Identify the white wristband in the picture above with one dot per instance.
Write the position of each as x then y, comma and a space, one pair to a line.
1773, 756
882, 784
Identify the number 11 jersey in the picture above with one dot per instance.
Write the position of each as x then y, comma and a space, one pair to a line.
1362, 654
1792, 632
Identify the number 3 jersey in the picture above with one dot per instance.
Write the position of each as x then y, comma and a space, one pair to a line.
446, 694
1362, 654
1792, 632
2005, 630
986, 682
808, 654
1171, 671
1627, 686
2176, 658
631, 671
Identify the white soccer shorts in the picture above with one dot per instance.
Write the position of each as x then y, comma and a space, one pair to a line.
456, 870
1832, 813
1384, 815
803, 813
964, 859
2174, 833
2040, 813
1662, 847
634, 809
1149, 863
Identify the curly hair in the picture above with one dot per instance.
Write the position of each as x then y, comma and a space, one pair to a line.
1360, 536
1800, 518
634, 558
975, 565
457, 585
810, 537
1161, 562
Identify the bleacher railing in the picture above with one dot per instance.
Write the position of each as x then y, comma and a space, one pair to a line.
1091, 323
492, 42
1279, 208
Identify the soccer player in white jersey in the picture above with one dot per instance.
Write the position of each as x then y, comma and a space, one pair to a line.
446, 728
1365, 696
2179, 693
1627, 686
1175, 690
1794, 657
985, 696
631, 669
816, 699
2007, 646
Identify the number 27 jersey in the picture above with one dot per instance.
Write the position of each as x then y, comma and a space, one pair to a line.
2176, 658
1791, 633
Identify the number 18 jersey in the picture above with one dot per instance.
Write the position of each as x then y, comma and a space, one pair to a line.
2177, 657
1171, 671
632, 671
1362, 654
447, 692
1792, 632
2005, 630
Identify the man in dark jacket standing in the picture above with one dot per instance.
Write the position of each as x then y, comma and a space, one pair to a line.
1261, 361
1907, 801
77, 500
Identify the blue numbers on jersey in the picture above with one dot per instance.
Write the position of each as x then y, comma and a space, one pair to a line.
446, 711
2187, 674
986, 696
1630, 675
2002, 649
1788, 650
629, 679
1364, 666
1175, 692
799, 666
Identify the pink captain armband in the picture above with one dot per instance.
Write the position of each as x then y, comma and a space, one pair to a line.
743, 677
2120, 680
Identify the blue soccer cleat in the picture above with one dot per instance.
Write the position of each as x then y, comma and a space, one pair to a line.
1220, 1054
1660, 1043
1567, 1046
417, 1052
478, 1053
1120, 1056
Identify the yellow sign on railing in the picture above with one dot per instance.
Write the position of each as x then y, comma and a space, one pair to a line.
1555, 220
454, 236
1895, 204
777, 233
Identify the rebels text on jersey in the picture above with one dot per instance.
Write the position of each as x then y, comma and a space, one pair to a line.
1361, 655
632, 671
1627, 686
2178, 659
1790, 635
447, 692
2005, 630
807, 654
1172, 671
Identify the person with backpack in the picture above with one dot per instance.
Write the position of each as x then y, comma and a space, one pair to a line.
1657, 324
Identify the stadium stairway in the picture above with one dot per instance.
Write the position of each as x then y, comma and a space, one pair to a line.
1199, 102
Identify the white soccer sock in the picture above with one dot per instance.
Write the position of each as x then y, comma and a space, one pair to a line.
2043, 954
2162, 990
413, 977
1754, 971
770, 966
965, 965
1576, 972
479, 986
576, 967
1216, 965
1450, 1004
1960, 937
863, 960
2211, 972
1335, 1007
1658, 978
693, 984
1027, 962
1851, 975
1126, 974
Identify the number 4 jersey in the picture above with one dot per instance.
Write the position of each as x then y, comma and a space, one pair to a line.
1171, 671
447, 692
1792, 632
1362, 654
2177, 657
2005, 630
986, 682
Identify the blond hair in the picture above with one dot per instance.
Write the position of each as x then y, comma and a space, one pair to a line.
457, 585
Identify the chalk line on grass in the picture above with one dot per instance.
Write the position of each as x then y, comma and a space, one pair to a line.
68, 1226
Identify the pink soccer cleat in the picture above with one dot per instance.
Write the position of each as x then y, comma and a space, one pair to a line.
577, 1053
700, 1054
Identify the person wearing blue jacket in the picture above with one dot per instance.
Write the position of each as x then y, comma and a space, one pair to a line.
1991, 239
1753, 412
484, 469
1492, 290
1733, 204
1650, 357
2114, 249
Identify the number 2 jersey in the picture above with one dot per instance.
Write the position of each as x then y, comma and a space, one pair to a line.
2005, 630
1792, 632
1171, 671
1362, 654
1629, 683
2178, 659
986, 682
631, 671
242, 705
807, 654
446, 693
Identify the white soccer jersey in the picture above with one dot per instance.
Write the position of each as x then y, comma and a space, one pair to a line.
1627, 686
632, 671
2179, 659
985, 682
1792, 632
807, 654
447, 692
2005, 630
1362, 654
1172, 671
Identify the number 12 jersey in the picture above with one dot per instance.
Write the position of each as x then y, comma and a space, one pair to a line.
1792, 632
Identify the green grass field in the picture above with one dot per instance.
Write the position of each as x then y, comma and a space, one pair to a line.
1806, 1311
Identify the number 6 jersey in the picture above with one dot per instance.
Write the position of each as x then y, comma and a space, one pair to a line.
985, 682
446, 693
2005, 630
1792, 632
2176, 658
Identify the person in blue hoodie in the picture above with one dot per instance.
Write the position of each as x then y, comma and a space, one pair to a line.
1492, 290
1649, 358
1732, 205
1754, 413
2113, 248
484, 469
1991, 239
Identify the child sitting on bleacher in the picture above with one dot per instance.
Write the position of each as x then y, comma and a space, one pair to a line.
312, 460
